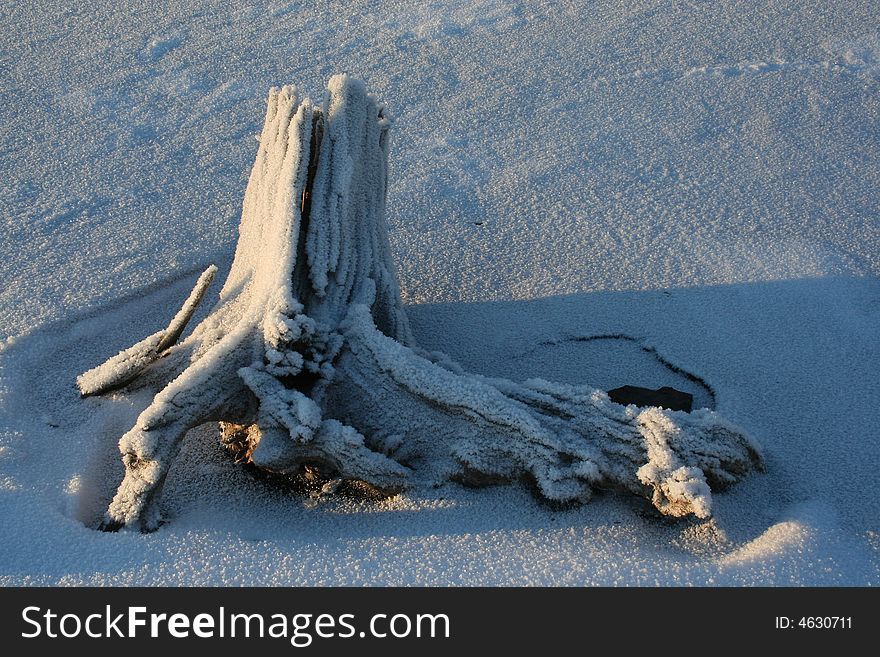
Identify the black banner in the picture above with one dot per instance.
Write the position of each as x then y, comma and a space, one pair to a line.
435, 621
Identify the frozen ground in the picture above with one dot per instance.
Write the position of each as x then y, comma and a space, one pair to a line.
580, 191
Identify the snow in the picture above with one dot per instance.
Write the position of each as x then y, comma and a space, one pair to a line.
692, 180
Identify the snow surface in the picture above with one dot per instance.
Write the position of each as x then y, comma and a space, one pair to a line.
579, 192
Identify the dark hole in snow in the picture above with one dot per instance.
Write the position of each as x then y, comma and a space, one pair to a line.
665, 397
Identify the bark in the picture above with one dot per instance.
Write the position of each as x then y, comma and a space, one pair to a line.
308, 355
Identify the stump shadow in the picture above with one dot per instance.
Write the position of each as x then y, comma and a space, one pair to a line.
752, 350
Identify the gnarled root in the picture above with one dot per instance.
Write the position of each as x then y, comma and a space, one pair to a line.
308, 357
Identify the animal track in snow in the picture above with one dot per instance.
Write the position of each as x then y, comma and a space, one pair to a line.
851, 62
158, 47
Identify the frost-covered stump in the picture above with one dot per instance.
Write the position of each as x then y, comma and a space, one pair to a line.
308, 357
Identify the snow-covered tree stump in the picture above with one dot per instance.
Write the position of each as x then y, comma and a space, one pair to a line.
308, 356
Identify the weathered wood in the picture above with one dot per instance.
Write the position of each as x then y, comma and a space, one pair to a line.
307, 359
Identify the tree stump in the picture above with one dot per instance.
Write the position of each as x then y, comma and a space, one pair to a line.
308, 357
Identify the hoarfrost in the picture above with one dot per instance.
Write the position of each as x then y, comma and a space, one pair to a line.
310, 352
